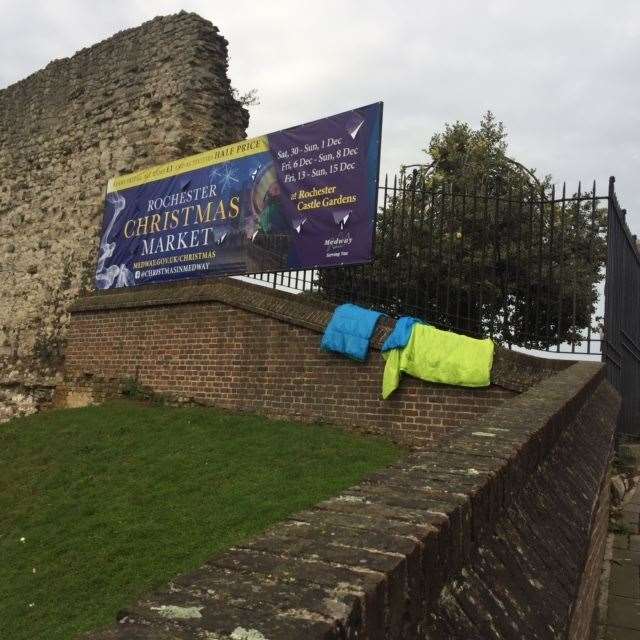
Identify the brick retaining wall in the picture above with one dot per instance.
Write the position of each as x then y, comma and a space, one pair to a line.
487, 535
493, 532
243, 347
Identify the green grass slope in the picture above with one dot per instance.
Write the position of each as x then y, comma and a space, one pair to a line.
98, 505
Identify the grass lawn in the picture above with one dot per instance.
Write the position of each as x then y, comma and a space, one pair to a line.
98, 505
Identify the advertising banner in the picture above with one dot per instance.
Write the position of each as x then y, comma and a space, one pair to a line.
301, 198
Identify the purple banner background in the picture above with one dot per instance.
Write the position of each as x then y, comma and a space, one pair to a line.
310, 201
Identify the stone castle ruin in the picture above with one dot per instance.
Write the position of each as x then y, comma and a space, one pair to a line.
113, 108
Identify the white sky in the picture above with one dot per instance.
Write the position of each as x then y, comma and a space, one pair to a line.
562, 75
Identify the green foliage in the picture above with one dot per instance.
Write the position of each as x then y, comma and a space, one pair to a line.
99, 505
133, 390
49, 349
620, 528
248, 99
475, 241
465, 159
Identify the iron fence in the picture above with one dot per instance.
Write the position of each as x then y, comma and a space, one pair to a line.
621, 349
525, 266
522, 267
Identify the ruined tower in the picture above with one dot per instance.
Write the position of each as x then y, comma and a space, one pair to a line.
144, 96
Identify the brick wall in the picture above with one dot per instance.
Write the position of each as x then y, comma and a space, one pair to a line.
490, 534
235, 359
494, 531
583, 617
537, 574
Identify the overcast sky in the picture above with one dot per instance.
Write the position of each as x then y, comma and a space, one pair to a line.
563, 76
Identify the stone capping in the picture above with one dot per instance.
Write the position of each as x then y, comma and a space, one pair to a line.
87, 55
511, 370
371, 562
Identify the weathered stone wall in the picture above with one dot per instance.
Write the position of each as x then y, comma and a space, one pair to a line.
245, 347
145, 96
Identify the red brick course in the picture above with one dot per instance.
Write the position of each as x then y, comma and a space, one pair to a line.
212, 352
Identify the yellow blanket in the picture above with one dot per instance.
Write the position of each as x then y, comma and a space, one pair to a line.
439, 356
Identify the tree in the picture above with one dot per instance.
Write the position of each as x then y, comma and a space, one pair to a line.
476, 242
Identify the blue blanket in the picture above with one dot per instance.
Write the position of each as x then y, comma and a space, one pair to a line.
401, 333
349, 331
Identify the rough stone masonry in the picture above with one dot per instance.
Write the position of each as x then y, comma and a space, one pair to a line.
134, 100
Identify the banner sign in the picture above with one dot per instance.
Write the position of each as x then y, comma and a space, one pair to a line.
300, 198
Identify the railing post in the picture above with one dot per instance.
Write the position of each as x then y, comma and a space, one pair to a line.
608, 272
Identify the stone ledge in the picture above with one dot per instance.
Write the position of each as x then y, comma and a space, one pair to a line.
374, 561
511, 370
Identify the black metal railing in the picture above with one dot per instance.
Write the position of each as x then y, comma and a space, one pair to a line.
621, 349
522, 267
525, 266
